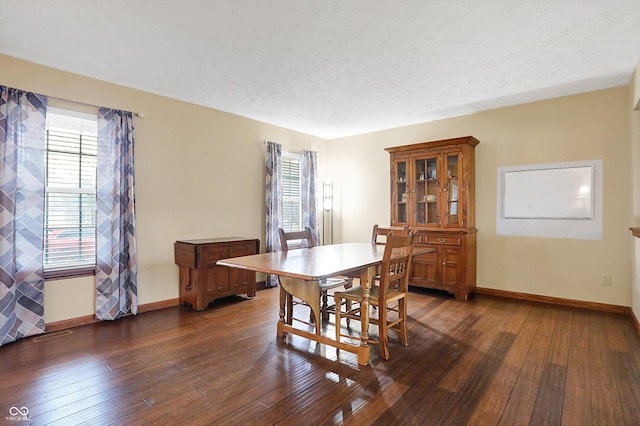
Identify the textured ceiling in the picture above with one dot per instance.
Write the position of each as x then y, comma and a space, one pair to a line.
335, 68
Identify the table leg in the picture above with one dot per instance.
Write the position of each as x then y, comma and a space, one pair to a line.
281, 321
366, 277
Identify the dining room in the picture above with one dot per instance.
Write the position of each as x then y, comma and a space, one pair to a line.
537, 329
213, 186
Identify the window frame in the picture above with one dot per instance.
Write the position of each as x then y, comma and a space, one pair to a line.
289, 156
84, 269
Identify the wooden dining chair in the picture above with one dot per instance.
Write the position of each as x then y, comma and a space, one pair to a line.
390, 296
379, 236
300, 239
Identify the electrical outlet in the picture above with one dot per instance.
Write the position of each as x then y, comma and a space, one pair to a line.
606, 279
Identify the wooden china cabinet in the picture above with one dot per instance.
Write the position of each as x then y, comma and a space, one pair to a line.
433, 192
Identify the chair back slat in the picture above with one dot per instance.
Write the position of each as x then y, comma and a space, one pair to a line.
296, 239
396, 263
379, 235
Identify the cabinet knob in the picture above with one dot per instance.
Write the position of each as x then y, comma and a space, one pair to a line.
443, 263
442, 240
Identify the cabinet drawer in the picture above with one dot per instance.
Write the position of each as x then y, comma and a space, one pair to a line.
242, 249
185, 254
445, 240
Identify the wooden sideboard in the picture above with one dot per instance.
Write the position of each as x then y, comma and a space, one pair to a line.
202, 281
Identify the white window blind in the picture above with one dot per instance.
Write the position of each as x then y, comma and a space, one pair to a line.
291, 202
70, 191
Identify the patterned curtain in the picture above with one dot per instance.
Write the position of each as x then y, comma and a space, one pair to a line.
309, 172
22, 182
273, 201
116, 264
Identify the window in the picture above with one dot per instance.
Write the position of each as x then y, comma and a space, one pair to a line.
70, 191
291, 193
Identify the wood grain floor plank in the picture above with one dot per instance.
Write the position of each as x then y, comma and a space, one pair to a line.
424, 398
547, 409
596, 322
490, 325
161, 369
486, 361
580, 329
376, 406
490, 406
561, 339
576, 404
159, 412
228, 392
472, 357
627, 377
519, 406
605, 402
424, 412
548, 321
616, 337
519, 317
633, 341
461, 406
420, 304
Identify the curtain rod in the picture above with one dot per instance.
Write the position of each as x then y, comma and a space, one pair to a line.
137, 114
286, 148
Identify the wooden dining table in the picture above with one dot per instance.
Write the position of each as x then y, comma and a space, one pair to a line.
300, 272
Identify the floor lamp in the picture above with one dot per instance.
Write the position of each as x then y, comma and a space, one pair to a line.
327, 205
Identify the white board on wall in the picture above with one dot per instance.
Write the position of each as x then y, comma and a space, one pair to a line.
558, 200
549, 193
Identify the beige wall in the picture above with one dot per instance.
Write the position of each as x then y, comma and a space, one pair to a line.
582, 127
634, 112
199, 174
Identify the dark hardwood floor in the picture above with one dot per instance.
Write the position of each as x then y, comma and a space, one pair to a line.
489, 361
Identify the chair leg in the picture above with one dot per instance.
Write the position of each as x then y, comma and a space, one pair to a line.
382, 327
404, 333
348, 307
347, 302
324, 307
289, 309
338, 301
283, 305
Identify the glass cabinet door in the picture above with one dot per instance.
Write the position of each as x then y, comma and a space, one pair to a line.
426, 190
452, 188
401, 191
